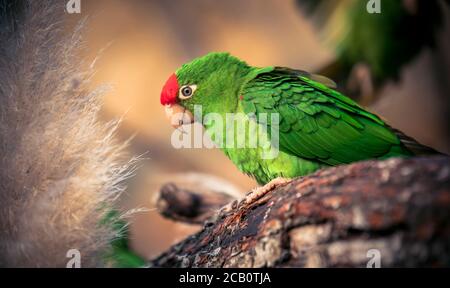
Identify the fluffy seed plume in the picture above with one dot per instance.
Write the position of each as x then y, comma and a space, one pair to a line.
60, 168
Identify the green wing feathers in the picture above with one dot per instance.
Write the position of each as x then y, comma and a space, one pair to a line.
317, 122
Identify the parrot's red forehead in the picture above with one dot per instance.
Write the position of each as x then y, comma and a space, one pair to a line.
170, 90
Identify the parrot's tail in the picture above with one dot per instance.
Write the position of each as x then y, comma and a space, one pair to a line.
413, 145
60, 169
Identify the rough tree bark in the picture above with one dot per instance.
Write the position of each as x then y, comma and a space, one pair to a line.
333, 218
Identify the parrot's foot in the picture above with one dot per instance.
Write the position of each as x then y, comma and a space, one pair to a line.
254, 195
259, 192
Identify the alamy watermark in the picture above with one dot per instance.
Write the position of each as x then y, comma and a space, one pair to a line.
73, 6
373, 6
232, 130
75, 258
374, 256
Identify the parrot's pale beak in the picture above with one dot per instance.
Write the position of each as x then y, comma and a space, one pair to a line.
178, 115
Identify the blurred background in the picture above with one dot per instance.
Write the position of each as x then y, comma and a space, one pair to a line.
396, 63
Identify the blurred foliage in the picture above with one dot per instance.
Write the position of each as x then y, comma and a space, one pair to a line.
120, 255
385, 41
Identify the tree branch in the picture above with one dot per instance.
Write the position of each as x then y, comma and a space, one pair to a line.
187, 206
336, 217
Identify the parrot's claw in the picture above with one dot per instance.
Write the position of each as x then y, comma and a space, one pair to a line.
253, 195
259, 192
230, 206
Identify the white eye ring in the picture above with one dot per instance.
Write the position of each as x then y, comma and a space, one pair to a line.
187, 91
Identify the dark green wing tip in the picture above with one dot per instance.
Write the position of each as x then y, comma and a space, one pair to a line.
413, 145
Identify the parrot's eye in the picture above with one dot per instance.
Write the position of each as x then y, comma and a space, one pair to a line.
187, 91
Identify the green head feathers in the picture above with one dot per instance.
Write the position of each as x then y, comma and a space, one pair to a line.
212, 81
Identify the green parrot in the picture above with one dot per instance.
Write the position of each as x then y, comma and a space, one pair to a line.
317, 126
